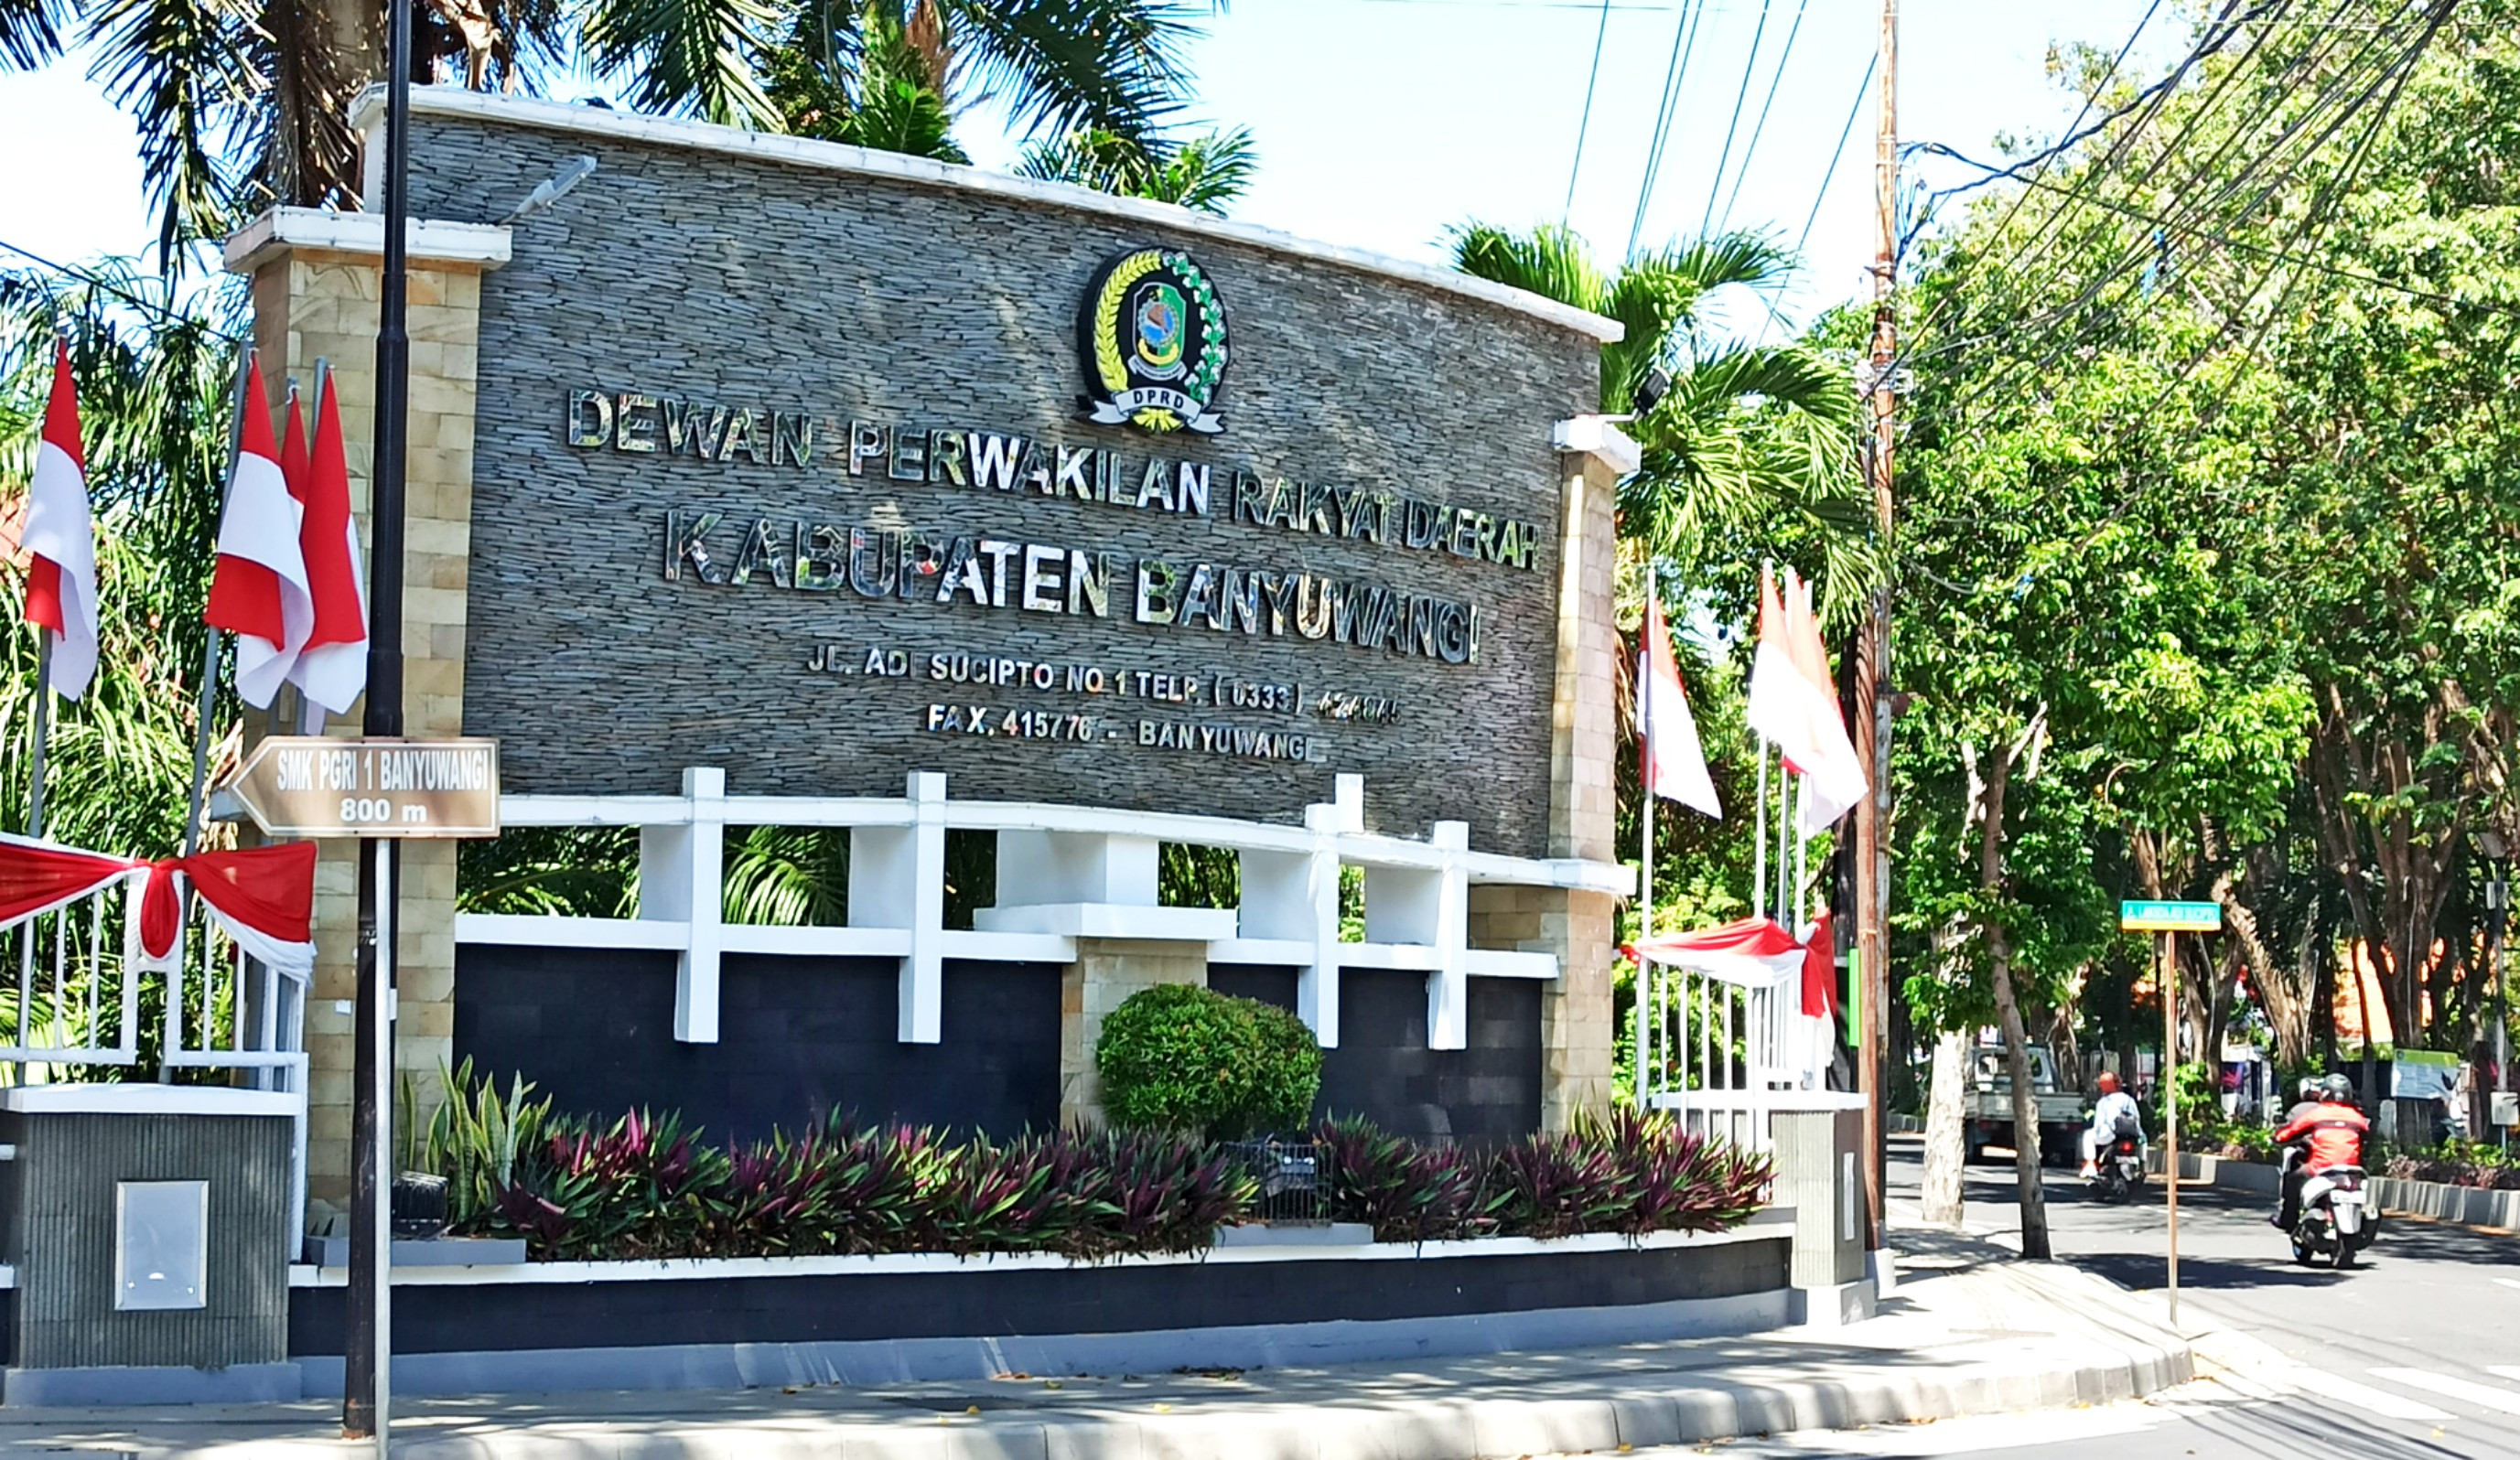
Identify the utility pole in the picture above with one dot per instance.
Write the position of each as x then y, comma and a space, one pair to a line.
1873, 655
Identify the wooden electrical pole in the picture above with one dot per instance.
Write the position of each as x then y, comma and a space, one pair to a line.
1872, 655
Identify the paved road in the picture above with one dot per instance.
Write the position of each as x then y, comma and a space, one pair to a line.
2413, 1355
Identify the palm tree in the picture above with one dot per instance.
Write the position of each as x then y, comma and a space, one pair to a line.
1745, 440
244, 103
1206, 172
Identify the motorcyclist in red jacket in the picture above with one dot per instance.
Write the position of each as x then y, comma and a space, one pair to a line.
2334, 1131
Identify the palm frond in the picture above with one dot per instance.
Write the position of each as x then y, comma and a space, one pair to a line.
1205, 172
1117, 65
1550, 261
186, 69
687, 56
30, 31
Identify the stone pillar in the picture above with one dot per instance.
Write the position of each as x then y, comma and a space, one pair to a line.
1107, 971
315, 286
1580, 928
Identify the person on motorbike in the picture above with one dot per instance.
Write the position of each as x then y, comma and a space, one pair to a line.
2115, 1111
2331, 1132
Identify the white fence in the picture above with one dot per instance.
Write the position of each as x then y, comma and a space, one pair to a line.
1726, 1054
86, 995
1064, 874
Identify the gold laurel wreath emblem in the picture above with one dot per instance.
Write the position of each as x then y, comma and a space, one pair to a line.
1112, 371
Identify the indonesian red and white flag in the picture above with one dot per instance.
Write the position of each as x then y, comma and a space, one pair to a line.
258, 590
1779, 706
61, 535
1674, 763
332, 666
1833, 777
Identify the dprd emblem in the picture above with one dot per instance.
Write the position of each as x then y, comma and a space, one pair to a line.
1153, 336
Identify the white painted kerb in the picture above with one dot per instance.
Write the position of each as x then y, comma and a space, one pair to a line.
833, 156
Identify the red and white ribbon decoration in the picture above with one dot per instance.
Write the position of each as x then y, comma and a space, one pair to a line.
264, 897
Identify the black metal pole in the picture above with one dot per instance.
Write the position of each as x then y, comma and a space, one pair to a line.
365, 1388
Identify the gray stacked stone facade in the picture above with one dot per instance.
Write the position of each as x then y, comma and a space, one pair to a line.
847, 296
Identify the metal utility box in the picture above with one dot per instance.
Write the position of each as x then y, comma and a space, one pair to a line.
1819, 1175
144, 1228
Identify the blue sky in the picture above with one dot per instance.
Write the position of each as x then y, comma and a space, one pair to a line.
1380, 122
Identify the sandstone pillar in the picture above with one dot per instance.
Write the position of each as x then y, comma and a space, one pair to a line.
1107, 971
315, 286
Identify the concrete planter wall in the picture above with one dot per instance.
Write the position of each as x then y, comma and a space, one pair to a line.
744, 1322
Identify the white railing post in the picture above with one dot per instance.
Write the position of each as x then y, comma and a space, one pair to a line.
897, 880
682, 874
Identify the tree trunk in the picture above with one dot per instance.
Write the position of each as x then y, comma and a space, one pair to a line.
1946, 1152
2007, 1007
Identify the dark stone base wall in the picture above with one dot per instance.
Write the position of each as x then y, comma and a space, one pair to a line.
1382, 1069
797, 1037
1124, 1299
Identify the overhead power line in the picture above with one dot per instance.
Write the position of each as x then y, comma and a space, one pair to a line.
2125, 269
1751, 151
1600, 34
1683, 45
1749, 68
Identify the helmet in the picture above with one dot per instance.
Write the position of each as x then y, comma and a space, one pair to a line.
2337, 1088
2310, 1086
2108, 1082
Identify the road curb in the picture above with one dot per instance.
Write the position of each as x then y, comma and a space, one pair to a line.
1451, 1429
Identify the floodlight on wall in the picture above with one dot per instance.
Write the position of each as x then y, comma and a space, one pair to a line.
1651, 390
553, 188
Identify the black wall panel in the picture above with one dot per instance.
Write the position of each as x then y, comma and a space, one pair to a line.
1382, 1069
797, 1036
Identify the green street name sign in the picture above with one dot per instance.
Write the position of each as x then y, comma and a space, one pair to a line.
2171, 918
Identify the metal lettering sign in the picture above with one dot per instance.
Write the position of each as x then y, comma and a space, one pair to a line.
317, 786
2170, 917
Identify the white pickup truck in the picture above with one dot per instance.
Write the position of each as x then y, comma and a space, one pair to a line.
1989, 1106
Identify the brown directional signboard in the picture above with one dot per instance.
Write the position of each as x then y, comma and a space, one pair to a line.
316, 786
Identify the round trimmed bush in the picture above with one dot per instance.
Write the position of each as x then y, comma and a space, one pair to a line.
1286, 1075
1181, 1057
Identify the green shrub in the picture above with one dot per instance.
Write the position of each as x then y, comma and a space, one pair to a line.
1180, 1057
1288, 1075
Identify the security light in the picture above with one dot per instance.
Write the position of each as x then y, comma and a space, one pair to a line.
550, 189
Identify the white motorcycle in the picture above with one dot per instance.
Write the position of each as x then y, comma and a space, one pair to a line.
2334, 1224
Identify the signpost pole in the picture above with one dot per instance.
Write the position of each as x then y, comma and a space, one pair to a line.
367, 1352
2168, 979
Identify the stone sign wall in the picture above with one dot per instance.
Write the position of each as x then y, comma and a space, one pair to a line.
783, 468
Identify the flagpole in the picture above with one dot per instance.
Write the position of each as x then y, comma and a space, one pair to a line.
35, 762
1759, 876
1645, 819
208, 698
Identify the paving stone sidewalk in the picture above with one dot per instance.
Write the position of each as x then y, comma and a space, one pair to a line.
1963, 1335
